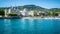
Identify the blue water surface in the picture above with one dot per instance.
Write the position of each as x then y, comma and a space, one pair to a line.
29, 26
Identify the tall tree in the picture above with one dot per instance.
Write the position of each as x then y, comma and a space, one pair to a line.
2, 12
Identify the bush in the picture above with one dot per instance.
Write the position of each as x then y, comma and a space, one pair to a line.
56, 14
12, 14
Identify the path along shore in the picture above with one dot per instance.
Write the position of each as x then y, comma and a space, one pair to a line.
41, 18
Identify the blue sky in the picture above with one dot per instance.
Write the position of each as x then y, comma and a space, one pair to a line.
42, 3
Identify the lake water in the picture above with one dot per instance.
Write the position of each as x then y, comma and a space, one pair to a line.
29, 26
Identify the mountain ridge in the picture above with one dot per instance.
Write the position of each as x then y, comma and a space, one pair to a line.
34, 7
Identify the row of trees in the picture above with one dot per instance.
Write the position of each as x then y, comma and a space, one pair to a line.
47, 14
52, 14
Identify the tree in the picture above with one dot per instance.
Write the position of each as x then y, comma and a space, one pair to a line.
2, 12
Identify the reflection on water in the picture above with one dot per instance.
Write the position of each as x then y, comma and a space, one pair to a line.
7, 26
29, 26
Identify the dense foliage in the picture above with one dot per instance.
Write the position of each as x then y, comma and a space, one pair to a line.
12, 14
2, 12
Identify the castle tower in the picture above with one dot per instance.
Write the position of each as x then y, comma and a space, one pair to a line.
5, 12
9, 11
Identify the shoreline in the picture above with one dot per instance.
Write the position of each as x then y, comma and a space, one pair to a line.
40, 18
29, 17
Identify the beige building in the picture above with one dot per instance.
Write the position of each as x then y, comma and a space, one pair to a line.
38, 13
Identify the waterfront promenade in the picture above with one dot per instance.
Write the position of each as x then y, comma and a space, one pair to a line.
41, 18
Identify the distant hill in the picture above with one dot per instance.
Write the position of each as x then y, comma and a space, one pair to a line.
55, 9
31, 7
35, 8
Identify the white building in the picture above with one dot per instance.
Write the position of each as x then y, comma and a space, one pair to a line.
31, 13
7, 11
24, 12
